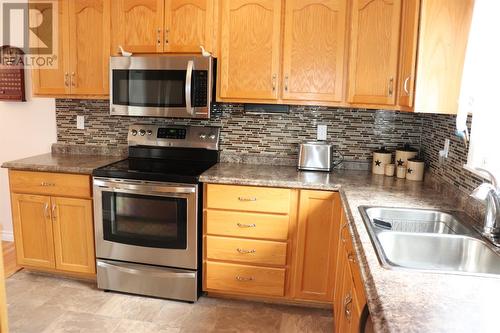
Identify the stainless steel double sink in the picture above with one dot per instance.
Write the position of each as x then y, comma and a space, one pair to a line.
429, 240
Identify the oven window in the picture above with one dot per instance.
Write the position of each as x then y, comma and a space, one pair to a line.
142, 220
149, 88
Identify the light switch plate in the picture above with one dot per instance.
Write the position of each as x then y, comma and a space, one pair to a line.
80, 122
322, 132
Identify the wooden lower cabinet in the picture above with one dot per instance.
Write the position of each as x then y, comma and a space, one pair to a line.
33, 230
52, 233
279, 243
316, 244
350, 299
73, 235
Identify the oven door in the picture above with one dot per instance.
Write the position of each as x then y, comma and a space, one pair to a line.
161, 86
146, 222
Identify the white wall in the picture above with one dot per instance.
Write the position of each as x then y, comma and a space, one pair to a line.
26, 129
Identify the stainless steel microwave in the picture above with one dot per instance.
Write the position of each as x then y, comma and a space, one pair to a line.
178, 86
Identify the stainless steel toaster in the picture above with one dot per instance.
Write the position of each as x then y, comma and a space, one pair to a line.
316, 156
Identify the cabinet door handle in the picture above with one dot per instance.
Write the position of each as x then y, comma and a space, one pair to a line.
54, 216
274, 82
166, 35
244, 278
66, 79
158, 36
46, 211
342, 234
405, 85
244, 251
391, 86
247, 198
351, 257
347, 303
286, 83
244, 225
73, 79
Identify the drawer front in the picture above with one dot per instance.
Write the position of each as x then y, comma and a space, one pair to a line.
246, 250
248, 198
241, 224
68, 185
245, 279
354, 266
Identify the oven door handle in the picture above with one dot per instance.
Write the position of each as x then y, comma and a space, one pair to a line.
143, 188
130, 269
189, 76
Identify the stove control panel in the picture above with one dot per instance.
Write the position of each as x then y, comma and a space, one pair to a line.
174, 136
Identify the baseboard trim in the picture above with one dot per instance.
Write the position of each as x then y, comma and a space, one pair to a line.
8, 236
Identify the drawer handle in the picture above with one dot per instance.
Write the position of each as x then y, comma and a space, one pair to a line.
47, 184
244, 251
247, 198
244, 278
351, 257
243, 225
342, 234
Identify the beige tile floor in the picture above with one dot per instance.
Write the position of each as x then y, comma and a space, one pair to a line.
40, 303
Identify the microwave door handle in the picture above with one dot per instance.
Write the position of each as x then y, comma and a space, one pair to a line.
189, 76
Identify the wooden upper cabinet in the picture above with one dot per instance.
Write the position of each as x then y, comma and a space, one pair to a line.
137, 25
89, 46
33, 230
73, 234
53, 81
188, 25
408, 52
374, 49
444, 30
250, 46
316, 245
314, 47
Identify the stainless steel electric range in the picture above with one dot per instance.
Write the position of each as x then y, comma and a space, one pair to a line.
147, 211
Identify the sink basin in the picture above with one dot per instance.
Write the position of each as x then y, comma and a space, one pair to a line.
443, 253
428, 240
416, 220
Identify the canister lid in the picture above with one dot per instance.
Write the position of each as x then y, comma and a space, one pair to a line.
383, 150
407, 148
416, 159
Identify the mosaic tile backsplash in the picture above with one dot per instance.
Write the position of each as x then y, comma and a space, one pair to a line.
354, 132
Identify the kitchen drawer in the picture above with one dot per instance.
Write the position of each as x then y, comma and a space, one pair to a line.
246, 250
248, 198
60, 184
241, 224
245, 279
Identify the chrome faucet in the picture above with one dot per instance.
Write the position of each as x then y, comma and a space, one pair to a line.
489, 194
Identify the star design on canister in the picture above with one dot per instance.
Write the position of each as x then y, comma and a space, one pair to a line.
410, 171
378, 163
401, 162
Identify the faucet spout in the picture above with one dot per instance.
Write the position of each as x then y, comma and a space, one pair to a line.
489, 194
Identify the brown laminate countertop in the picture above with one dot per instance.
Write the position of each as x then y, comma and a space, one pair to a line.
398, 300
64, 163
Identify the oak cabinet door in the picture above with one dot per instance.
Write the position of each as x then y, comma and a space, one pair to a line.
137, 25
73, 234
444, 30
314, 48
316, 245
53, 81
89, 46
408, 53
250, 49
188, 25
373, 59
33, 230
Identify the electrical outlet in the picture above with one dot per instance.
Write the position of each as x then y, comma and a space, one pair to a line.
322, 132
80, 122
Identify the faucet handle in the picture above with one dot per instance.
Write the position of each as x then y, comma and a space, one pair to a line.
492, 178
